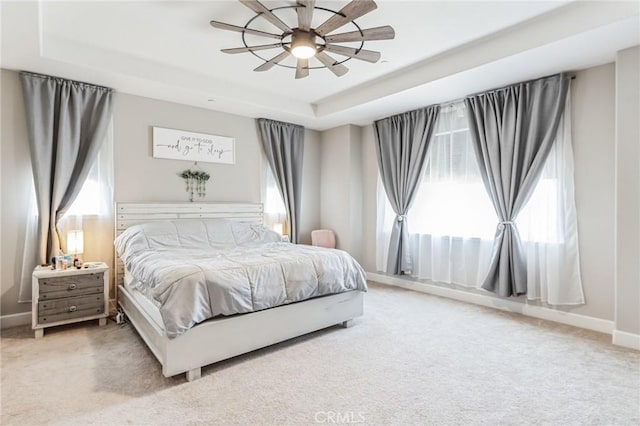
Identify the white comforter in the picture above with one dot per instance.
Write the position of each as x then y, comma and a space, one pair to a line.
195, 274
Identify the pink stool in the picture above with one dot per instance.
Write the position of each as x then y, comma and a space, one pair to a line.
323, 238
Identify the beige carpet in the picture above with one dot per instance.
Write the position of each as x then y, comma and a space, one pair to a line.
412, 359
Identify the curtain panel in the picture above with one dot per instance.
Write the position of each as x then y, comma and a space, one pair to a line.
512, 130
453, 243
283, 145
66, 124
401, 146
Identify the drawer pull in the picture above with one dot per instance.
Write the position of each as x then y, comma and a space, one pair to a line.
72, 286
72, 308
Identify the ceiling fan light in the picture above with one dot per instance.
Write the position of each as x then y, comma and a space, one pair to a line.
303, 51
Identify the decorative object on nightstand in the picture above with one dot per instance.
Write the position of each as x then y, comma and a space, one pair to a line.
75, 245
67, 296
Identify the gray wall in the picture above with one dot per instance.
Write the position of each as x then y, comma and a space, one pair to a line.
344, 161
139, 176
369, 198
341, 189
16, 178
628, 191
593, 108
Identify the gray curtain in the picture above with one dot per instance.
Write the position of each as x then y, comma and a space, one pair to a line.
402, 141
66, 123
512, 130
283, 145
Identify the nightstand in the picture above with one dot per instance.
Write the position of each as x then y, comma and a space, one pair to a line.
69, 295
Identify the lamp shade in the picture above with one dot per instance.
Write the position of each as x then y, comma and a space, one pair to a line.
75, 241
279, 228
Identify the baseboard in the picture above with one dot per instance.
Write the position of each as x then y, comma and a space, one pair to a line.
576, 320
14, 320
628, 340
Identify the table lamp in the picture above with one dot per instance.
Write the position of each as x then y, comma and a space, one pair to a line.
75, 245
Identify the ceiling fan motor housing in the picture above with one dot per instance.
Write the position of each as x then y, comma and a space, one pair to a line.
303, 43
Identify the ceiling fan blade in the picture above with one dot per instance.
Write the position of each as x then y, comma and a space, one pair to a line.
258, 7
223, 26
378, 33
271, 62
302, 68
363, 55
333, 65
250, 48
305, 14
351, 11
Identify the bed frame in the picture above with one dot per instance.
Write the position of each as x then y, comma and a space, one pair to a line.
218, 339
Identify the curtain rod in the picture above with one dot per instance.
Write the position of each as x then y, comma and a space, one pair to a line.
460, 100
62, 79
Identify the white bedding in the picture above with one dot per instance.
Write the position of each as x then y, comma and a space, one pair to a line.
198, 269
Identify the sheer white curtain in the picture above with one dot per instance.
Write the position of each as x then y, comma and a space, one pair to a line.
548, 225
275, 214
30, 248
452, 220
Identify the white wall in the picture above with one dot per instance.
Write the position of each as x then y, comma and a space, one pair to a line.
627, 318
593, 110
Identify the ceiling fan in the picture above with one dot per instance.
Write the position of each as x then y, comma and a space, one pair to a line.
305, 42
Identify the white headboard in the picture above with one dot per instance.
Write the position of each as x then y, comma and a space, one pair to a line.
129, 214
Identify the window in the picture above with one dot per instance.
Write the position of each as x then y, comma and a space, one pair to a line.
451, 199
452, 221
273, 203
88, 202
96, 196
275, 213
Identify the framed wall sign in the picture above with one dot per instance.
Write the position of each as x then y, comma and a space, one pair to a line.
191, 146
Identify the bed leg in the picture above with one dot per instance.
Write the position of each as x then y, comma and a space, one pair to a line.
194, 374
346, 324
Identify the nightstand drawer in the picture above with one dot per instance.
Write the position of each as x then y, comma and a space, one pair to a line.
72, 307
71, 285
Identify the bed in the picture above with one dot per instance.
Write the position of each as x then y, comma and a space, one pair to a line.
203, 282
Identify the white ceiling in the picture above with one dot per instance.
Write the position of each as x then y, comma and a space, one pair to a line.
442, 50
